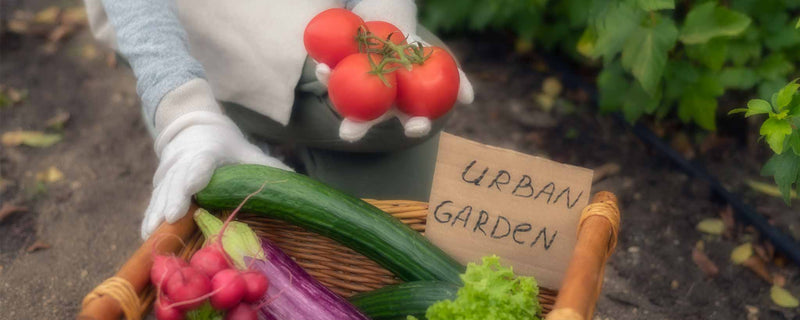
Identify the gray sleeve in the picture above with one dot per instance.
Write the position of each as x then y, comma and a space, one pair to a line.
151, 38
349, 4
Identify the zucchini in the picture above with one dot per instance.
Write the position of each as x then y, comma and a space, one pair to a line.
316, 207
397, 302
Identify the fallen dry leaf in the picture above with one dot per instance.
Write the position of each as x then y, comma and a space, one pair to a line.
545, 101
35, 139
551, 87
759, 267
75, 16
741, 253
57, 122
16, 95
711, 226
18, 26
60, 32
89, 51
704, 263
761, 252
38, 245
768, 189
727, 219
48, 15
752, 312
783, 297
50, 175
605, 171
8, 209
778, 280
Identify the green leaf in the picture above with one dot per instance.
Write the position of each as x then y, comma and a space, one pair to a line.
653, 5
612, 87
782, 38
757, 106
708, 20
711, 54
797, 26
742, 51
615, 26
738, 78
701, 109
205, 312
784, 97
586, 43
637, 102
775, 132
794, 142
737, 110
767, 88
645, 53
775, 67
785, 168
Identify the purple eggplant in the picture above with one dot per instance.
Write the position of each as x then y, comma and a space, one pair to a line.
296, 295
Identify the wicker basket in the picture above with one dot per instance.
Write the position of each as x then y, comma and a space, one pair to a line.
347, 272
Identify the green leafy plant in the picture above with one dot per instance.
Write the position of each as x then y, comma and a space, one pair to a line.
659, 57
780, 131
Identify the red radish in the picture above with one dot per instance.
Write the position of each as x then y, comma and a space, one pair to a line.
165, 312
331, 35
242, 311
356, 92
163, 267
384, 31
186, 287
228, 288
210, 260
430, 89
256, 285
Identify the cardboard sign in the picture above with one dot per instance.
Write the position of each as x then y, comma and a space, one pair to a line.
487, 200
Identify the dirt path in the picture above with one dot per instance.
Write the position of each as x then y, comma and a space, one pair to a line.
91, 218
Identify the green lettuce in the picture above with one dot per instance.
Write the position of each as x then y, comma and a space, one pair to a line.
490, 292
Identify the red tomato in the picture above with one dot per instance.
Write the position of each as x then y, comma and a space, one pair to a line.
358, 95
430, 89
383, 30
331, 35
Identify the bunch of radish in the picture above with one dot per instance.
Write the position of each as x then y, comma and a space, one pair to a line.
374, 68
208, 277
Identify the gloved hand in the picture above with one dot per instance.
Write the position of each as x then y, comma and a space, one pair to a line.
402, 14
189, 149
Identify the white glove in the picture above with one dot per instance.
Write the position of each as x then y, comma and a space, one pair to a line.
402, 14
189, 149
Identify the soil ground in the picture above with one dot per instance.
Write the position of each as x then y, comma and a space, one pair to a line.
91, 218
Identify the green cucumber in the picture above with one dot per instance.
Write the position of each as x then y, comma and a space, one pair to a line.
316, 207
397, 302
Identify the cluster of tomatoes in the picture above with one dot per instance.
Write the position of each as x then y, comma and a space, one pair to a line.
373, 68
208, 276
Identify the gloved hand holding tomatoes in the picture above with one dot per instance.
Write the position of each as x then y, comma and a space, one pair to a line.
374, 71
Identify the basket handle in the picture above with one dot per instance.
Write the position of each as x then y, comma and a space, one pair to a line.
597, 238
120, 293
